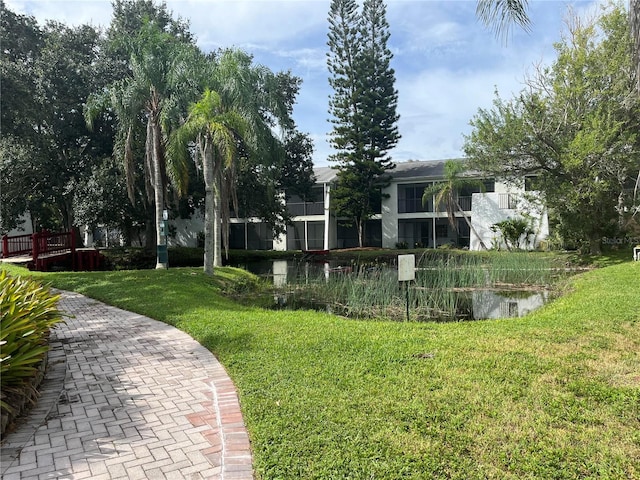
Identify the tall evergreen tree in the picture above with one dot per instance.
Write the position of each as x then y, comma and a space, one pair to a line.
363, 107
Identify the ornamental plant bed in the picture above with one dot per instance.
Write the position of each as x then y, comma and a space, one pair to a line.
27, 313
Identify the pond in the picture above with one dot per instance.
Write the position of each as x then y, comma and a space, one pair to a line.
441, 292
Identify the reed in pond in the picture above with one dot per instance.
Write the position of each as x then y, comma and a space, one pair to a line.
434, 295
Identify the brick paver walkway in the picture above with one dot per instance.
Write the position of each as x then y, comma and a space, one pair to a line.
128, 397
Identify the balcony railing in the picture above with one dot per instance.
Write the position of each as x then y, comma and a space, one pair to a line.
465, 203
508, 201
308, 208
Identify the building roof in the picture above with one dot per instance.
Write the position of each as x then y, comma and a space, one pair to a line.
413, 169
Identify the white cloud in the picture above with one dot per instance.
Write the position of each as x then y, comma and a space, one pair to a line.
447, 64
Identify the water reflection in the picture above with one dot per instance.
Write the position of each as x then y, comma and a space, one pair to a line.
491, 304
280, 271
477, 304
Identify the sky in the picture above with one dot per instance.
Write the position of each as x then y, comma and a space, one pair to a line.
447, 64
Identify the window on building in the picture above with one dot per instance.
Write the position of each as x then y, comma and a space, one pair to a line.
348, 235
464, 233
259, 236
489, 185
373, 233
312, 205
236, 236
250, 236
315, 232
410, 198
295, 236
442, 229
309, 237
415, 233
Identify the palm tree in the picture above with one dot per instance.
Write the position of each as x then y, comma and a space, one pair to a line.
159, 72
446, 193
234, 121
217, 133
264, 101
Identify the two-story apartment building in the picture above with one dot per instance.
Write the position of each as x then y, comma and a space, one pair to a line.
403, 219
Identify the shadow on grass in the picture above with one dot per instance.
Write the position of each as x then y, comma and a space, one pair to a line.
159, 294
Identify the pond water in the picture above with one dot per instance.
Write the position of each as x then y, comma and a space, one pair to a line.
291, 278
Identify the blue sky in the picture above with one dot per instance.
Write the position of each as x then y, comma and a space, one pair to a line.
447, 64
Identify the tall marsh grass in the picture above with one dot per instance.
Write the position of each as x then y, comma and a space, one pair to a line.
438, 292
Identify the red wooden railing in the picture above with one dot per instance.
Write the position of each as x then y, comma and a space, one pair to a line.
37, 244
16, 245
45, 243
47, 249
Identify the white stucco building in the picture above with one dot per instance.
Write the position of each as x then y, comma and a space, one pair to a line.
402, 221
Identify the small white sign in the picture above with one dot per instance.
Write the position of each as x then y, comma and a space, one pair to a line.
406, 268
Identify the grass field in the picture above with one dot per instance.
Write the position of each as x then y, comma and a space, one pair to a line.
552, 395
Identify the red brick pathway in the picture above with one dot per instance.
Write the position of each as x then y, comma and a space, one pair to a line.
128, 397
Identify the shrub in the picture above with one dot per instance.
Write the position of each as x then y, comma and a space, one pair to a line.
27, 312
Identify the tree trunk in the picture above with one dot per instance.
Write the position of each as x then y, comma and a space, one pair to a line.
360, 226
471, 228
217, 231
209, 209
149, 228
158, 191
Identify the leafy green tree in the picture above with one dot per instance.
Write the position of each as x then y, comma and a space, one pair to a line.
22, 40
574, 129
100, 200
20, 175
47, 75
446, 194
217, 131
260, 188
233, 128
159, 82
65, 78
501, 14
363, 107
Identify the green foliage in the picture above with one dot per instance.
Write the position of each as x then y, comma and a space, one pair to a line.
363, 107
47, 74
574, 128
27, 313
500, 15
515, 232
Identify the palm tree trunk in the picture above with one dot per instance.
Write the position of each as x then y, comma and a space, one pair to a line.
158, 189
217, 231
209, 209
471, 228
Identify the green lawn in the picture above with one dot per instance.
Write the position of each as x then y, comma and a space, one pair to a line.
552, 395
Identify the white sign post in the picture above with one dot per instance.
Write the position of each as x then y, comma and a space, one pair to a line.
406, 273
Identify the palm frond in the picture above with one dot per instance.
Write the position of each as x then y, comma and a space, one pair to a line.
500, 15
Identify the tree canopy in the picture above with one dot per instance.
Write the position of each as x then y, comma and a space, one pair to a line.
573, 130
134, 84
363, 107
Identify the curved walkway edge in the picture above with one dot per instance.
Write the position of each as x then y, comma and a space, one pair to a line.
128, 397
